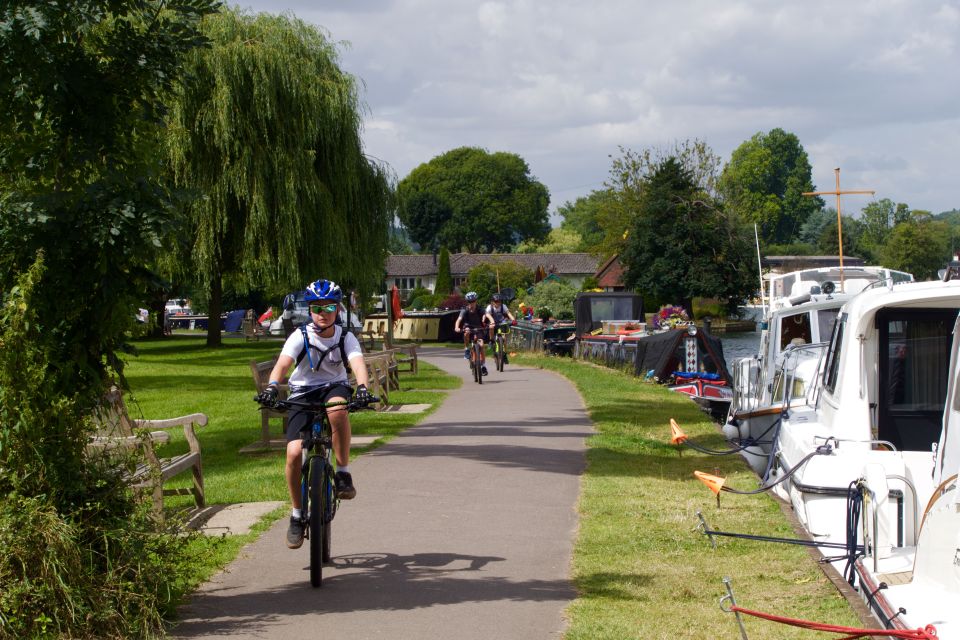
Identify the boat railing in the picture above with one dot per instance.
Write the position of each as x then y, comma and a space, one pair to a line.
871, 442
789, 385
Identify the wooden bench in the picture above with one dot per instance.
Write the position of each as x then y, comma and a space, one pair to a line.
261, 378
118, 432
380, 367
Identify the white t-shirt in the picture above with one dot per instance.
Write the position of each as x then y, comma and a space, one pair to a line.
331, 367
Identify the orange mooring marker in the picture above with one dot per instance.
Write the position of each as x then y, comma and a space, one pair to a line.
714, 483
677, 436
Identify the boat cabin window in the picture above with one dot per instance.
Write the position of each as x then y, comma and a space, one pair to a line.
914, 369
825, 320
611, 309
832, 368
793, 327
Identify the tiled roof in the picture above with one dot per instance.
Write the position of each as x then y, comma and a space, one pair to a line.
564, 264
610, 274
410, 265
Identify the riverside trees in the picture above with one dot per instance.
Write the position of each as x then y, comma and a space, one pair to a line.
265, 131
82, 209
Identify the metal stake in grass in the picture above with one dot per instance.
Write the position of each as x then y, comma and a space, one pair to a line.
733, 603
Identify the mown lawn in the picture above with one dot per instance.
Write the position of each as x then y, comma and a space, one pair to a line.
641, 568
179, 375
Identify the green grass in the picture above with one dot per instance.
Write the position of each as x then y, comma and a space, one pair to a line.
180, 375
640, 568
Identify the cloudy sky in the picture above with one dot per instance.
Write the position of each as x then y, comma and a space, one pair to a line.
868, 86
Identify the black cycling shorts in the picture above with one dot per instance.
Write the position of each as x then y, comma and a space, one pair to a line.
300, 419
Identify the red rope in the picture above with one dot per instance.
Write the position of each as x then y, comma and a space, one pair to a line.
927, 633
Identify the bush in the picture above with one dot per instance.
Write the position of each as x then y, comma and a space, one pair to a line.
557, 295
544, 313
453, 301
418, 294
483, 279
81, 558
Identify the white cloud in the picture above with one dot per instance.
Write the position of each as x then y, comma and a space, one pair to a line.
867, 83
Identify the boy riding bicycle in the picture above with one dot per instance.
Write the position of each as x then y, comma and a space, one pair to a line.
472, 319
496, 313
320, 352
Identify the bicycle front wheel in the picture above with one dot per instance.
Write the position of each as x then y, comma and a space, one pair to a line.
478, 359
330, 506
500, 353
318, 528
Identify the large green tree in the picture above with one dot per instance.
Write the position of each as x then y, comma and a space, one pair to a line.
582, 216
618, 208
763, 183
878, 219
81, 212
920, 245
682, 245
265, 130
469, 198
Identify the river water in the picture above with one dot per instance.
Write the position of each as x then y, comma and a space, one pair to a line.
739, 345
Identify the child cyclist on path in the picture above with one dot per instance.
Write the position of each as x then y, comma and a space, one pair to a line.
473, 318
320, 352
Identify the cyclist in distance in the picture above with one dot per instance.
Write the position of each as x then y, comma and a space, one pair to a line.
495, 313
320, 353
473, 318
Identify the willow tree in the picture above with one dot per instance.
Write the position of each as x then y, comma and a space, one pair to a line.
265, 133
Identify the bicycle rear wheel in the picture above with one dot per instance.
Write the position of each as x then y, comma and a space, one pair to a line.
318, 528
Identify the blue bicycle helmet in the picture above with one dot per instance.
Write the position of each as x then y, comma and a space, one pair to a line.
322, 291
471, 296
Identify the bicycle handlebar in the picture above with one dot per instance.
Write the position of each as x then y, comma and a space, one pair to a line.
351, 405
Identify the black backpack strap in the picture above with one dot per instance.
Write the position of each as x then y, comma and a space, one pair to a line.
323, 354
306, 344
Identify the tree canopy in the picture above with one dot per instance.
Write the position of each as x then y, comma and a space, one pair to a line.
617, 208
763, 183
920, 245
681, 245
582, 217
81, 212
265, 130
469, 198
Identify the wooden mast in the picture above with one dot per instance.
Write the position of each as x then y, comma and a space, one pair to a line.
838, 193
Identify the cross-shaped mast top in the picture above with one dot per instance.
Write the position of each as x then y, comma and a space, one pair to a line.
838, 193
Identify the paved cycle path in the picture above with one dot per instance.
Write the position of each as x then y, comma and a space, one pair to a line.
463, 527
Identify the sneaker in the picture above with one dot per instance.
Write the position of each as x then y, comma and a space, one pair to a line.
295, 533
483, 369
466, 354
345, 489
506, 359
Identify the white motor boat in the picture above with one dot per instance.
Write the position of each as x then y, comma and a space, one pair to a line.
870, 431
803, 306
921, 573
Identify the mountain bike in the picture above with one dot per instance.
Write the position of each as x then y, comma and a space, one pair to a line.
318, 496
476, 352
500, 344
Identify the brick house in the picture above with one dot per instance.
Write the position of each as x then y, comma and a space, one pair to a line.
408, 272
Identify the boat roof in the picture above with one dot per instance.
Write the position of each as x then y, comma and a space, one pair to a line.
846, 280
935, 294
